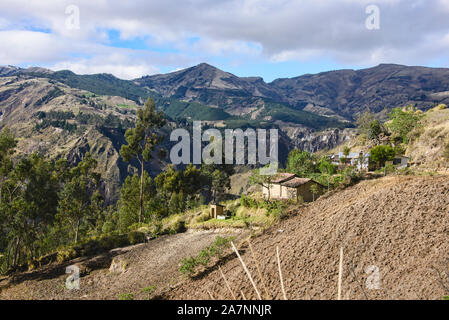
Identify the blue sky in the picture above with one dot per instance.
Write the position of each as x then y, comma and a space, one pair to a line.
267, 38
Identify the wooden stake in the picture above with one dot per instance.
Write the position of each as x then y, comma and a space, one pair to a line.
227, 284
246, 270
340, 274
280, 274
258, 270
210, 295
243, 295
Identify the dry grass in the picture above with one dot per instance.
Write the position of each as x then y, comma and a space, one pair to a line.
429, 148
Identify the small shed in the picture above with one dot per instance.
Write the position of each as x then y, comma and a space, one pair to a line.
216, 210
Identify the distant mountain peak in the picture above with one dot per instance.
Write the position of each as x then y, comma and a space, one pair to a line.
204, 65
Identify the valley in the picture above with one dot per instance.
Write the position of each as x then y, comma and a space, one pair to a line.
150, 234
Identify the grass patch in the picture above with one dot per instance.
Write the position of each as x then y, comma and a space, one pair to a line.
190, 265
126, 296
149, 290
125, 106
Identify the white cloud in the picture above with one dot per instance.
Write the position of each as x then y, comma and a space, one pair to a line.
121, 67
411, 31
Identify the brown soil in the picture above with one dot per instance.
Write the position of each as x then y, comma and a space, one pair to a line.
400, 225
154, 263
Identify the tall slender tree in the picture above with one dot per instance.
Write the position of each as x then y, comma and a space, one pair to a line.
141, 141
7, 147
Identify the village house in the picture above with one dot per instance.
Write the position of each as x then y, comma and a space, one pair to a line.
362, 161
290, 186
401, 162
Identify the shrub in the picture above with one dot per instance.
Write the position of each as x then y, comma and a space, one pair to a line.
203, 257
156, 228
149, 290
65, 255
178, 226
188, 265
126, 296
220, 243
135, 237
113, 241
348, 177
389, 169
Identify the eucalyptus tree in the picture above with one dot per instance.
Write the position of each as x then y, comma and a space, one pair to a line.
142, 140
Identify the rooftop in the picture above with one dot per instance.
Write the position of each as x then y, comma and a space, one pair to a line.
282, 177
295, 182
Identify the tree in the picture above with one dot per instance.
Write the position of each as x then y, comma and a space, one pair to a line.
301, 163
141, 141
221, 181
375, 130
75, 204
382, 154
364, 121
314, 190
370, 126
261, 180
403, 122
28, 206
7, 145
346, 151
128, 204
192, 180
327, 168
217, 178
168, 182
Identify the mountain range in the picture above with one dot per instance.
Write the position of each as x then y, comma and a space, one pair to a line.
61, 113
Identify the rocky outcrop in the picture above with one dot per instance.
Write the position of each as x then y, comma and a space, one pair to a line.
312, 141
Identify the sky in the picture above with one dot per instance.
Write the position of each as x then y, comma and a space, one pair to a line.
267, 38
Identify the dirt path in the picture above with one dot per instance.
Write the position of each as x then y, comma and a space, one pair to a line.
155, 263
396, 226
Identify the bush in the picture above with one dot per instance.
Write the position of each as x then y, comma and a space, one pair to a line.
178, 226
249, 202
135, 237
89, 248
156, 228
113, 241
204, 216
65, 255
203, 257
126, 296
389, 168
149, 290
188, 265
